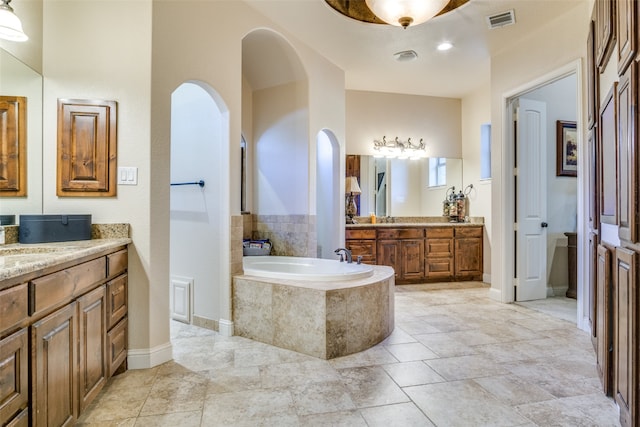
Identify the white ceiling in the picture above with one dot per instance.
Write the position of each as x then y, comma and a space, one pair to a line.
365, 51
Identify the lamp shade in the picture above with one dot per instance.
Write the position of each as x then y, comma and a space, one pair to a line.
351, 186
10, 25
403, 13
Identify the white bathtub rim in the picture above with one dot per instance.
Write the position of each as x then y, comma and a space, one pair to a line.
354, 271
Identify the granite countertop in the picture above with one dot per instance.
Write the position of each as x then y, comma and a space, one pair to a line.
17, 259
413, 224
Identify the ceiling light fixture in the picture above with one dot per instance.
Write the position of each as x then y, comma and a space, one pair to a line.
403, 13
10, 25
445, 46
364, 11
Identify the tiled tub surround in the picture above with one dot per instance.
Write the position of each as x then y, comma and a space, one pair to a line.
291, 235
320, 319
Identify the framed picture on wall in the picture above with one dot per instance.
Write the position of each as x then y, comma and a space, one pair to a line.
566, 148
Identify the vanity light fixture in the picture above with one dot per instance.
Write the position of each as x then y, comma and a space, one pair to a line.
10, 25
399, 149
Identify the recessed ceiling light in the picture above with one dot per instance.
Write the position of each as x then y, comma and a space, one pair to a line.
445, 46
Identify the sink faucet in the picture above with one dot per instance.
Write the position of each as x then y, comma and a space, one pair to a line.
347, 254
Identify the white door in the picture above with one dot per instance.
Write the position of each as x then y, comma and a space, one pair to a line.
531, 201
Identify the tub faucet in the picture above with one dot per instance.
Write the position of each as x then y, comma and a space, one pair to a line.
347, 254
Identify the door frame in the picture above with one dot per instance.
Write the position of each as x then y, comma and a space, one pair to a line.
505, 228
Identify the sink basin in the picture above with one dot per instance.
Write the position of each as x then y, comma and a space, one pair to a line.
30, 250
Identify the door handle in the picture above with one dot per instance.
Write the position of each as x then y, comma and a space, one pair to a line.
544, 225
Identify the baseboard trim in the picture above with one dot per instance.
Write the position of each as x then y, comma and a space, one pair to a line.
149, 357
495, 294
225, 328
486, 278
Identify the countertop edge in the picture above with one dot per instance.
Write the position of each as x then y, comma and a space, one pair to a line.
12, 266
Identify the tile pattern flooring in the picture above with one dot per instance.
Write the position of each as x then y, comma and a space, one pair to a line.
456, 358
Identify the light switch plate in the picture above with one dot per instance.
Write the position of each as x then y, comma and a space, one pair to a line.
127, 175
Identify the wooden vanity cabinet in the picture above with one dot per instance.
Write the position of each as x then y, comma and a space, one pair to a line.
439, 255
362, 243
403, 249
468, 253
421, 253
55, 337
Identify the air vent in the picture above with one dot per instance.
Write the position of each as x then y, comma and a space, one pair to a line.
501, 19
405, 55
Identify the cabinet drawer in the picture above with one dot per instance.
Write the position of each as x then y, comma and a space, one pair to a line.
364, 248
439, 268
13, 306
401, 233
14, 386
54, 289
360, 234
116, 346
116, 300
439, 232
468, 231
439, 248
117, 263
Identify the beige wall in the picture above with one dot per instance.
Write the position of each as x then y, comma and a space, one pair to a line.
372, 115
476, 111
553, 46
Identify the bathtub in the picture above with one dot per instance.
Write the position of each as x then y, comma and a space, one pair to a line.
299, 268
323, 308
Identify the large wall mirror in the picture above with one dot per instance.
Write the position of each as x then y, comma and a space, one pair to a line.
18, 79
403, 187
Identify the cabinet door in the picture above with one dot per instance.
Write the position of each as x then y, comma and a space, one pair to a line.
627, 170
54, 368
468, 257
607, 155
603, 319
412, 259
92, 328
626, 33
625, 340
593, 280
604, 32
14, 370
388, 253
594, 210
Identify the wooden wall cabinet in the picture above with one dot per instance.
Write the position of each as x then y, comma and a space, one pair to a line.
421, 254
607, 153
55, 337
604, 319
87, 146
627, 155
13, 146
604, 32
625, 336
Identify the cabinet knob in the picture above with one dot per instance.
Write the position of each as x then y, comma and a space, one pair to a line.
544, 225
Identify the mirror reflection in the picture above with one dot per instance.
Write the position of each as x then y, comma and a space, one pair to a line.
18, 79
402, 187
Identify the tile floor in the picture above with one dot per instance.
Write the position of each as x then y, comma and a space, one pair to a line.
456, 358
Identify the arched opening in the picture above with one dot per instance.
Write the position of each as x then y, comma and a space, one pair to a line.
327, 191
198, 206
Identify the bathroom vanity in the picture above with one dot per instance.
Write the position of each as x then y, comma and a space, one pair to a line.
421, 252
63, 327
